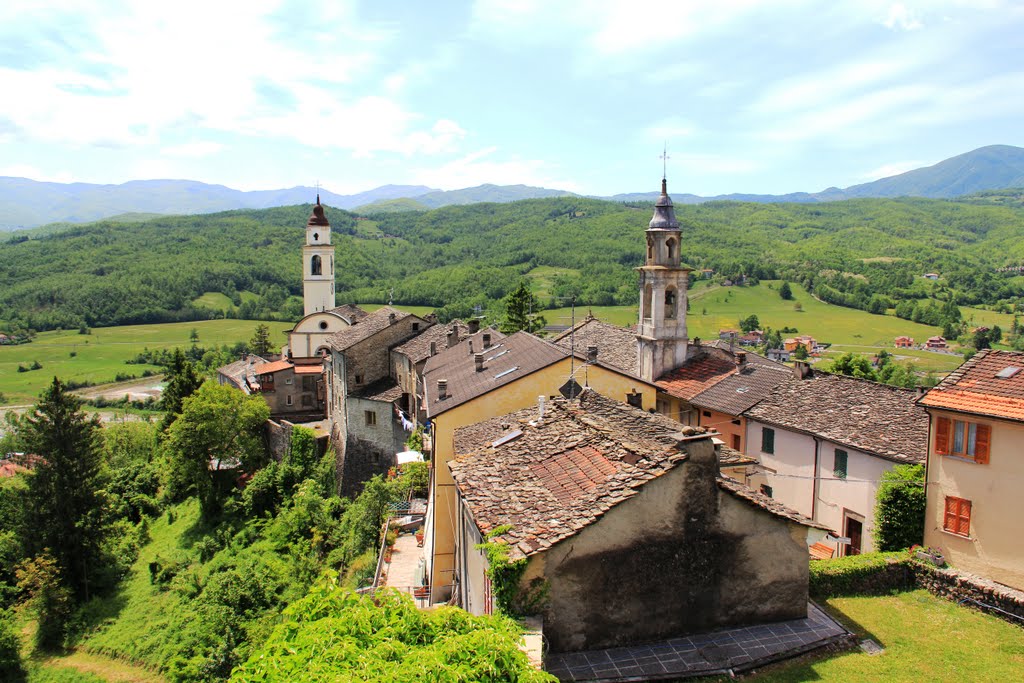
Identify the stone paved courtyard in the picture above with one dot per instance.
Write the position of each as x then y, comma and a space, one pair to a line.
700, 655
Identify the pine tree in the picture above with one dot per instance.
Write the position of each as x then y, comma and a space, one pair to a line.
520, 311
260, 342
182, 381
785, 291
66, 507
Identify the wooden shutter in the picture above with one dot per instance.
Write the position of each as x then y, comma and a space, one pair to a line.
964, 518
949, 520
982, 438
943, 434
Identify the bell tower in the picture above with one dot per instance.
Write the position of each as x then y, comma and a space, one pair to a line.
661, 333
318, 263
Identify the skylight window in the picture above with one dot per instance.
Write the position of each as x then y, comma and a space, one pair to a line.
508, 437
507, 372
1007, 373
497, 355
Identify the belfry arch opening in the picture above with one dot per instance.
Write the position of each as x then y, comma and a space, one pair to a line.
648, 300
315, 265
670, 303
670, 246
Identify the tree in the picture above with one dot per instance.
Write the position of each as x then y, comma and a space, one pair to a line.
260, 342
750, 323
193, 336
67, 510
182, 381
520, 311
219, 430
800, 352
785, 291
900, 508
48, 598
11, 668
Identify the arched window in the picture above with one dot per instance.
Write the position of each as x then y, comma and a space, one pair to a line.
316, 237
671, 246
670, 303
650, 248
315, 267
648, 300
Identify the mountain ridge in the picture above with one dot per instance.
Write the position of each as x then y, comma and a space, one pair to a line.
27, 203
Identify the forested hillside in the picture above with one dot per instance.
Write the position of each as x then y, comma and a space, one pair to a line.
867, 253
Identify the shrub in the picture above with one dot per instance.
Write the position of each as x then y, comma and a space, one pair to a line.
868, 573
11, 668
900, 508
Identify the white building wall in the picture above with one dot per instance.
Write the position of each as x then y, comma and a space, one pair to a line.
789, 471
856, 494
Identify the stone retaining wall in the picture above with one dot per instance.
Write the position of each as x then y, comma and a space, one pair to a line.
959, 586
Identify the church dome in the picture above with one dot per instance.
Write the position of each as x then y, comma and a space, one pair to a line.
664, 214
317, 217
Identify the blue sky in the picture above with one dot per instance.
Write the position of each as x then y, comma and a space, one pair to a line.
765, 97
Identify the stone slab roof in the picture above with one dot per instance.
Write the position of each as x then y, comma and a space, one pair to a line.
385, 389
507, 360
744, 387
417, 349
551, 478
874, 418
695, 375
762, 501
730, 457
616, 345
350, 312
975, 388
366, 327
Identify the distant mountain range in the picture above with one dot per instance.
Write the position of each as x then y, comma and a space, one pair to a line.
28, 203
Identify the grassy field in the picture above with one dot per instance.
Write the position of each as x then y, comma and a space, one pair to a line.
925, 639
220, 302
542, 278
100, 356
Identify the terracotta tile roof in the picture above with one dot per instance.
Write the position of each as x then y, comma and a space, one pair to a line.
418, 348
276, 366
365, 328
695, 375
974, 387
350, 312
385, 389
617, 346
308, 369
9, 469
744, 387
552, 478
870, 417
505, 361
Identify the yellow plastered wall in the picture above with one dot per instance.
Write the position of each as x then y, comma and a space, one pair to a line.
723, 423
993, 549
511, 397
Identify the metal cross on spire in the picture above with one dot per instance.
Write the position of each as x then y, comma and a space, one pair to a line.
664, 161
318, 192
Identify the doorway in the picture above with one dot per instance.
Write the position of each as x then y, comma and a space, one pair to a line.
853, 528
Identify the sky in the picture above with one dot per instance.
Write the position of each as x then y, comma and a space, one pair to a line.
748, 96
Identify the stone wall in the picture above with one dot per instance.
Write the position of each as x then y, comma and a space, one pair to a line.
279, 436
960, 586
360, 461
370, 359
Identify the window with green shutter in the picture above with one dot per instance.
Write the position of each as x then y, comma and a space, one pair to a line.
839, 467
767, 440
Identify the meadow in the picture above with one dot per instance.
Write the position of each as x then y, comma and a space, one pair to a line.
100, 356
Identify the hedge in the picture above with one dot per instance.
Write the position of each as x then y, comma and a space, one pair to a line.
865, 574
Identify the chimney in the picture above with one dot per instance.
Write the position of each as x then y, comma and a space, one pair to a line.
453, 336
592, 353
433, 348
802, 369
741, 358
471, 347
474, 326
442, 388
487, 340
540, 407
478, 359
920, 391
391, 318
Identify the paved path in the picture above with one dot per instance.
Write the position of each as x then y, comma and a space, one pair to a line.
724, 651
405, 561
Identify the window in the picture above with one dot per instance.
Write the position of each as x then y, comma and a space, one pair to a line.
371, 418
839, 465
767, 440
962, 439
323, 324
671, 246
766, 490
957, 519
415, 327
706, 413
288, 400
359, 379
736, 442
315, 266
670, 303
309, 383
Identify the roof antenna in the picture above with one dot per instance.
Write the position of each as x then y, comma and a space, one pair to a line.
572, 346
664, 168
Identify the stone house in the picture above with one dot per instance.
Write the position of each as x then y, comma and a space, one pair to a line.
473, 381
627, 524
293, 390
822, 442
409, 358
975, 465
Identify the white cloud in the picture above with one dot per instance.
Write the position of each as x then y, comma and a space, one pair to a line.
193, 150
33, 173
482, 166
901, 18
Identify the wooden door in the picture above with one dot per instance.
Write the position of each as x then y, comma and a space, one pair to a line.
855, 531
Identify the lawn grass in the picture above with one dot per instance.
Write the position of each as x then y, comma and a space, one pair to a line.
925, 639
100, 356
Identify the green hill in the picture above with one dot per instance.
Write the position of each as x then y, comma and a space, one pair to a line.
458, 257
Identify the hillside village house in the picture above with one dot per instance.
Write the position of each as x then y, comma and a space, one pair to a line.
904, 342
293, 390
409, 359
475, 381
805, 341
936, 343
976, 466
626, 521
823, 441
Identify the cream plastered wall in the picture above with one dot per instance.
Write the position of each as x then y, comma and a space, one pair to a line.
994, 549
